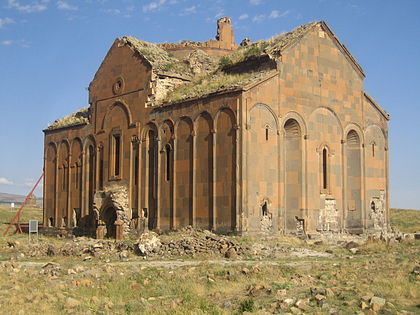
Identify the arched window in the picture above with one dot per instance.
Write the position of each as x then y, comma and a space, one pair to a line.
168, 162
325, 168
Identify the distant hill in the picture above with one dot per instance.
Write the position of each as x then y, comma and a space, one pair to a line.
17, 199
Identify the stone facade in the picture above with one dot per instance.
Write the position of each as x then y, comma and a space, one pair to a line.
275, 136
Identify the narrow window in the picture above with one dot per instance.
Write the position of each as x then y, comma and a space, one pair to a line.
168, 162
64, 179
136, 170
266, 133
324, 169
373, 149
101, 172
117, 147
76, 176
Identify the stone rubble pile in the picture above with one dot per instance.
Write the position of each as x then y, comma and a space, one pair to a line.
189, 242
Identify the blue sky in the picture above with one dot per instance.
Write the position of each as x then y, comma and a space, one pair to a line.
50, 50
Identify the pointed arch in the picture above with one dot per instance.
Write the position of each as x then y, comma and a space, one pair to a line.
354, 218
225, 173
50, 184
263, 158
166, 156
203, 166
183, 172
337, 120
355, 128
149, 171
293, 172
75, 182
225, 110
269, 109
298, 118
125, 108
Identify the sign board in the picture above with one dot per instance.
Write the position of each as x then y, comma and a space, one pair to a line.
33, 229
33, 226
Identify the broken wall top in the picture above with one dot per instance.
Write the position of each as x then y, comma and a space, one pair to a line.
80, 117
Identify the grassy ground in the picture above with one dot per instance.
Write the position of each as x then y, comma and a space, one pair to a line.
343, 282
405, 220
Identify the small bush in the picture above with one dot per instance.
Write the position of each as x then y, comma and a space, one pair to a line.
224, 61
247, 306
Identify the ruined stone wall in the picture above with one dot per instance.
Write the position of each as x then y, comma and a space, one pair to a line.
64, 178
321, 180
200, 188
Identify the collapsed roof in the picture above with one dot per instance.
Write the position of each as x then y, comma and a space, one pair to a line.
202, 74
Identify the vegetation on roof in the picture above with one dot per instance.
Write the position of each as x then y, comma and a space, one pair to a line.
271, 47
159, 58
216, 82
77, 118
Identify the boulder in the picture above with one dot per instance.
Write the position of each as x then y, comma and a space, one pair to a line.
147, 243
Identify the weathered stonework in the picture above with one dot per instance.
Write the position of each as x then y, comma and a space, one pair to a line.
328, 220
275, 136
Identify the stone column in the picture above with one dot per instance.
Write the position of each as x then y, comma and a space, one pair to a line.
119, 229
194, 180
213, 180
100, 230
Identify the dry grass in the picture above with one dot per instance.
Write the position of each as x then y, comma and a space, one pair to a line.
135, 286
139, 286
210, 84
405, 220
271, 47
159, 58
79, 117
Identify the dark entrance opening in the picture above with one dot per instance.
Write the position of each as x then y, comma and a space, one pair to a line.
109, 217
264, 208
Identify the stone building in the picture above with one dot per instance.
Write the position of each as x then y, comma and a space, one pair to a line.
277, 136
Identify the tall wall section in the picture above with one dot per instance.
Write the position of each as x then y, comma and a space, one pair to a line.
327, 178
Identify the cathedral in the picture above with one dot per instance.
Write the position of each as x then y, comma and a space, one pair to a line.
274, 136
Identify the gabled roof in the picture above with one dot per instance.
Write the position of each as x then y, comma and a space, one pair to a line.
377, 106
343, 48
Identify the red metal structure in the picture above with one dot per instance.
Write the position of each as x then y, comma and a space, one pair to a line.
16, 218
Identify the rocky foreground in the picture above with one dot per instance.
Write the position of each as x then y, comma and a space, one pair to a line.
198, 272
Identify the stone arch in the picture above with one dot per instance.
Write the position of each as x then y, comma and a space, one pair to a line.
225, 110
355, 128
298, 118
89, 149
353, 180
149, 171
125, 109
183, 172
76, 181
184, 119
166, 156
269, 109
50, 183
375, 174
293, 173
263, 163
332, 112
207, 116
63, 183
325, 130
225, 173
203, 166
325, 153
109, 216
